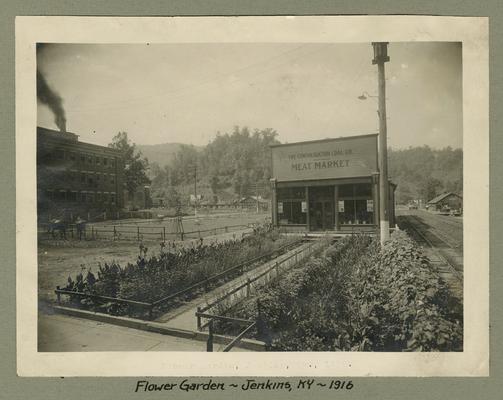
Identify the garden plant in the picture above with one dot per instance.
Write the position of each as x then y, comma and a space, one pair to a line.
358, 297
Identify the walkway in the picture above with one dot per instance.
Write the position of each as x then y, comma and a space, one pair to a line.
58, 333
184, 317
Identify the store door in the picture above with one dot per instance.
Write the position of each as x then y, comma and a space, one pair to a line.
321, 208
321, 214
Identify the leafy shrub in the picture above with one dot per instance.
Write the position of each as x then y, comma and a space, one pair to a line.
359, 297
152, 278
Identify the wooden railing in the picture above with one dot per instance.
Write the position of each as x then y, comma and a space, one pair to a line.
250, 324
202, 313
246, 286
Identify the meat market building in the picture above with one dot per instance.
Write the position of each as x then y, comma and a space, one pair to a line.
328, 185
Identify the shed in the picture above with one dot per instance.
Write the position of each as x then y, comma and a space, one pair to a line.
450, 201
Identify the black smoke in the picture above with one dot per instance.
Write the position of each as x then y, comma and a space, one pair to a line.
53, 100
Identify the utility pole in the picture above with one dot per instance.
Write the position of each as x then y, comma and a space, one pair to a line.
195, 190
255, 187
380, 57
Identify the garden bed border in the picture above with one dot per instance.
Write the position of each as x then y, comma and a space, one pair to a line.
156, 327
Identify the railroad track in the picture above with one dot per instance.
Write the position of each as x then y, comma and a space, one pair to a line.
440, 252
451, 222
437, 234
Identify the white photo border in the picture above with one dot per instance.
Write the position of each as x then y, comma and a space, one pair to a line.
471, 31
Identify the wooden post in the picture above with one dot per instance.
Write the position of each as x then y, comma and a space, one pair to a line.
138, 233
115, 232
209, 343
92, 233
59, 295
277, 268
308, 217
336, 208
198, 318
164, 233
248, 289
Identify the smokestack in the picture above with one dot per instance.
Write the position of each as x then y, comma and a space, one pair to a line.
50, 98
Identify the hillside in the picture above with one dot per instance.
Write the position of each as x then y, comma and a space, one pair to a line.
236, 164
161, 154
423, 172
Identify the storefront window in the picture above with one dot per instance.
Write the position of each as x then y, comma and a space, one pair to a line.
356, 206
292, 207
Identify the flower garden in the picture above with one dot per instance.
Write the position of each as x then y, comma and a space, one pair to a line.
357, 297
153, 277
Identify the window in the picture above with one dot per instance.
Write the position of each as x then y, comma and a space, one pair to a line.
98, 197
90, 159
356, 206
292, 207
105, 161
82, 158
113, 162
112, 198
82, 176
112, 178
72, 196
291, 213
60, 154
61, 195
72, 156
97, 160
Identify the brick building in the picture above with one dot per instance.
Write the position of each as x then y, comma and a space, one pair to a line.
75, 177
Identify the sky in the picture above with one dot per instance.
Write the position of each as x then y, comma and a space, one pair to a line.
187, 93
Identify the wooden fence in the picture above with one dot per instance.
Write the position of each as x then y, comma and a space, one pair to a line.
134, 233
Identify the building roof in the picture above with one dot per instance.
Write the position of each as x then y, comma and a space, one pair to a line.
324, 140
442, 197
66, 139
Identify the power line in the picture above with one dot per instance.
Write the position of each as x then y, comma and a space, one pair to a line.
199, 88
201, 83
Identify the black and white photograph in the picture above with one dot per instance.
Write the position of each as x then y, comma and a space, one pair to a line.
255, 196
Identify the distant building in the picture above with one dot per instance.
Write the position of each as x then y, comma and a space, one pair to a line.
251, 202
327, 185
140, 199
75, 177
449, 200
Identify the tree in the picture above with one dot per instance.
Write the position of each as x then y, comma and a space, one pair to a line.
135, 166
173, 199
